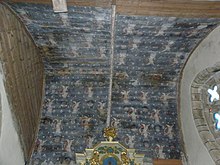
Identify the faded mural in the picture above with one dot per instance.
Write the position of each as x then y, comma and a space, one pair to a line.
148, 56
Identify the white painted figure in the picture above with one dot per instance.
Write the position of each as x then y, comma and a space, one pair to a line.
52, 40
164, 98
49, 107
168, 46
90, 91
122, 75
143, 97
159, 150
51, 163
64, 91
85, 122
121, 59
78, 83
67, 145
115, 122
135, 82
125, 96
168, 131
132, 114
164, 27
101, 108
44, 162
65, 19
40, 147
143, 130
155, 116
75, 107
58, 126
151, 59
129, 140
129, 29
89, 141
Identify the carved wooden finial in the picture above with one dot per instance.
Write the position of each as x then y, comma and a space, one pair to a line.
110, 133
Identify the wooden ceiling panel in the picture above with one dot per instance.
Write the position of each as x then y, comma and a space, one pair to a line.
98, 3
185, 8
169, 8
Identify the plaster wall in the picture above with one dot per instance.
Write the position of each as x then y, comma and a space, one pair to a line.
11, 151
206, 55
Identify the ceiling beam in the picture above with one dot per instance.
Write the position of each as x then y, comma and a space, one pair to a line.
183, 8
169, 8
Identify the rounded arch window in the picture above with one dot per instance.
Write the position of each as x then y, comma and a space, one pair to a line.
211, 102
205, 91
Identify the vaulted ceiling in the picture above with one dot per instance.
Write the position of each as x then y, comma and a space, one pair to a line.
141, 51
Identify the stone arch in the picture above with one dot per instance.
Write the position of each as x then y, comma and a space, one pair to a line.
202, 114
202, 64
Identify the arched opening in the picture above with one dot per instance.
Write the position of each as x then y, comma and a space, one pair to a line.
196, 133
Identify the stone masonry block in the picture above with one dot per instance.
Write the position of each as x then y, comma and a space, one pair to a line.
206, 136
203, 128
195, 90
211, 145
197, 105
200, 122
196, 97
215, 154
198, 114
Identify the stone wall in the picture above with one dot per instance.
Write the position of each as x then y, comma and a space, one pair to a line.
23, 71
200, 73
149, 53
203, 110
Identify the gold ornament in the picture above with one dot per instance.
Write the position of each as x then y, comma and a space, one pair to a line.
124, 159
110, 133
95, 158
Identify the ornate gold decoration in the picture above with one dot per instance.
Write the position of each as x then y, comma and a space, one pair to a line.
110, 133
95, 158
109, 152
124, 158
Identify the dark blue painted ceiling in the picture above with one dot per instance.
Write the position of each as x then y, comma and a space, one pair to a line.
148, 57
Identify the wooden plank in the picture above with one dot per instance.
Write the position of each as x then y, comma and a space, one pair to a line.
171, 9
167, 162
96, 3
184, 8
158, 8
172, 5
